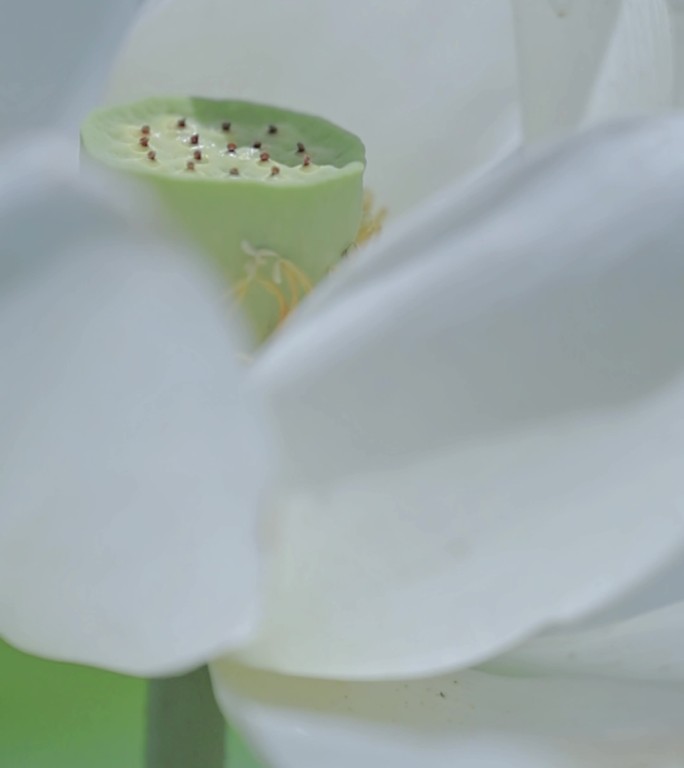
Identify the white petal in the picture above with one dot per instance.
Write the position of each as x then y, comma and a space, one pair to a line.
132, 461
646, 647
53, 59
637, 637
473, 720
637, 75
430, 88
484, 433
583, 61
662, 590
677, 23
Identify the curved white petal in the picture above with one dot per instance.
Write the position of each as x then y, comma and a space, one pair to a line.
663, 589
430, 87
638, 637
484, 434
583, 62
473, 720
646, 647
131, 459
53, 59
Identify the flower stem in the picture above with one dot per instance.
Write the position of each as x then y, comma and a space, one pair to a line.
184, 726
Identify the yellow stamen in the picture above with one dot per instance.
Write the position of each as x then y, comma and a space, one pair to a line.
273, 289
372, 221
297, 282
297, 274
292, 286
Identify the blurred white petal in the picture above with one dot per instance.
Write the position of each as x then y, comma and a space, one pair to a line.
483, 435
472, 720
54, 58
645, 647
677, 22
583, 61
131, 459
637, 75
430, 87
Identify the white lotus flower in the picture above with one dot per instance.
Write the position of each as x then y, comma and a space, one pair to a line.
462, 447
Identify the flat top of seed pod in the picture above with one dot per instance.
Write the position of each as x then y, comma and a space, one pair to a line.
226, 141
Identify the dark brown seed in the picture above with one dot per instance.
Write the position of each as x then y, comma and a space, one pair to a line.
264, 157
257, 145
197, 154
234, 172
144, 141
273, 129
232, 147
194, 139
307, 161
190, 166
152, 155
225, 126
182, 122
300, 147
145, 130
275, 170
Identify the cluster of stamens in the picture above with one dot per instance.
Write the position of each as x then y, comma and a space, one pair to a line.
194, 140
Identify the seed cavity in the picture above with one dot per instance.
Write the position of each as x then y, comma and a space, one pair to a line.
264, 157
152, 155
234, 171
226, 126
272, 129
194, 139
275, 170
182, 123
307, 161
300, 148
190, 166
144, 141
145, 130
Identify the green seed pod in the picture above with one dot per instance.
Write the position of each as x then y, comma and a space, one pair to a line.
275, 197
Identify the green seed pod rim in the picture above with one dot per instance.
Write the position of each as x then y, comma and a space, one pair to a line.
326, 144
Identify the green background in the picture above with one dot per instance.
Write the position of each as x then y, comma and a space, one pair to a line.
64, 716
